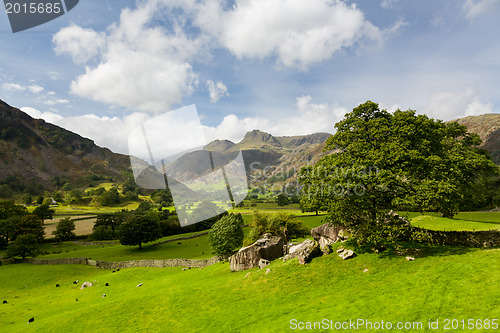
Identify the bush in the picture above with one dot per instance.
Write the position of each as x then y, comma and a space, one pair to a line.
280, 224
226, 235
24, 246
102, 233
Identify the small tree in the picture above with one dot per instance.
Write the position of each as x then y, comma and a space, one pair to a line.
27, 199
138, 229
226, 235
24, 246
44, 212
65, 230
282, 200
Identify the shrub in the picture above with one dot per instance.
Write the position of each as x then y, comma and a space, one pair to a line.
102, 233
279, 224
24, 246
226, 235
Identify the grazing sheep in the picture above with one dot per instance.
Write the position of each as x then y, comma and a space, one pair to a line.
103, 295
139, 285
76, 299
118, 270
107, 284
57, 285
5, 302
114, 271
86, 284
31, 320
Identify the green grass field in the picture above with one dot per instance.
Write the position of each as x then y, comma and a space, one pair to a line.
443, 282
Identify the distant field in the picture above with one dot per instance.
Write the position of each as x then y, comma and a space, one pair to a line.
82, 226
442, 283
440, 223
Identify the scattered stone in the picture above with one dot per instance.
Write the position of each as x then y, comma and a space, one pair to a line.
268, 247
186, 268
327, 235
139, 285
107, 284
410, 258
103, 295
366, 270
5, 301
340, 249
487, 244
263, 263
247, 275
305, 251
268, 270
31, 320
347, 254
86, 285
57, 285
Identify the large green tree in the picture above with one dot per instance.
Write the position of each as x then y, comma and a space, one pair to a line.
140, 228
44, 212
226, 235
402, 160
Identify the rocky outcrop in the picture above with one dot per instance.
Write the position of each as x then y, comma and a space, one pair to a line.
305, 251
268, 247
327, 234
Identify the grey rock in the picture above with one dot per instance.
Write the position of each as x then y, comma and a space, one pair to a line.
86, 285
347, 254
263, 263
267, 247
305, 251
327, 235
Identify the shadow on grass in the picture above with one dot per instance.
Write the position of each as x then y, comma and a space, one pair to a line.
421, 250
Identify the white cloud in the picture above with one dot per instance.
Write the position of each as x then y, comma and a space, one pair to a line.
447, 105
474, 8
113, 132
305, 118
35, 88
55, 101
388, 3
141, 66
216, 90
299, 33
13, 87
81, 44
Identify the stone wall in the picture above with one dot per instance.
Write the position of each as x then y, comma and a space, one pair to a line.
113, 265
481, 238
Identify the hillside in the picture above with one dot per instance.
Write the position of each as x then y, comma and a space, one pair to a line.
267, 158
41, 156
487, 126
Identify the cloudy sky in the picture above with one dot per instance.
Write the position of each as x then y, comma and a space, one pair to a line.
283, 66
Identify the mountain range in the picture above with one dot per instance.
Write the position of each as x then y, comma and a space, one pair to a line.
36, 154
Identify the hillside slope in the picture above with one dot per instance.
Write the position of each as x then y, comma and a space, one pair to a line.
487, 126
36, 155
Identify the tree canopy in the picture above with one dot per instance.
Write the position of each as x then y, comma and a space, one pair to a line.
226, 235
138, 229
402, 160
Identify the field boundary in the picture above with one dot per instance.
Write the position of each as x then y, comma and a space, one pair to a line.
479, 238
191, 263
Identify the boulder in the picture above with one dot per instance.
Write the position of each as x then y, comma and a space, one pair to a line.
326, 235
263, 263
305, 251
86, 285
347, 254
267, 247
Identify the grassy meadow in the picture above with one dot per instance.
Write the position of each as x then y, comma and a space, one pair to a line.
444, 282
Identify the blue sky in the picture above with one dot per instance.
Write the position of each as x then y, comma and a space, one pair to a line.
283, 66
